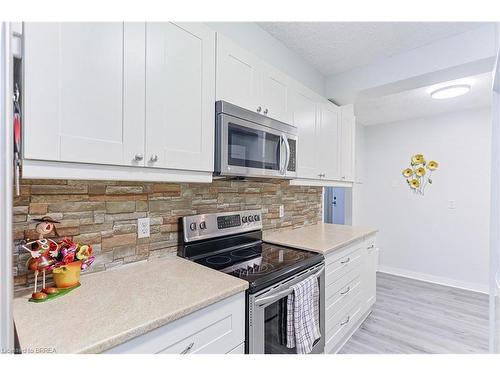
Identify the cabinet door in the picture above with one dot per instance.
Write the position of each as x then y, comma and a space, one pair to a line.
83, 92
328, 141
274, 99
304, 118
180, 96
238, 75
347, 133
371, 276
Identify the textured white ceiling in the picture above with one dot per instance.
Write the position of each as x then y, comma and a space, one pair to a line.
335, 47
418, 102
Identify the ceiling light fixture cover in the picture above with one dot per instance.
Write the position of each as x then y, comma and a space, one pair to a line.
450, 91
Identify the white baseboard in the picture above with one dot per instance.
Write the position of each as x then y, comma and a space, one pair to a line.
434, 279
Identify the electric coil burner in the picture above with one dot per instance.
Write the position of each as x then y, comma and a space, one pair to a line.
231, 242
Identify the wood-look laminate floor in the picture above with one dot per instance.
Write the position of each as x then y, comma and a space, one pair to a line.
412, 316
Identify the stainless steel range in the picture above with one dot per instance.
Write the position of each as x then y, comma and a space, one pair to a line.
232, 243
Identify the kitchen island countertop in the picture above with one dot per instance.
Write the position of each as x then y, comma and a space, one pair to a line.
117, 305
321, 238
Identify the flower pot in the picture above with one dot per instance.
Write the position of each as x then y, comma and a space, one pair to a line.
67, 276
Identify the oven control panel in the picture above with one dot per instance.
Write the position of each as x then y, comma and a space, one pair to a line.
198, 227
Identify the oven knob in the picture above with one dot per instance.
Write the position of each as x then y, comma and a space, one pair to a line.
192, 226
244, 219
250, 218
256, 217
203, 225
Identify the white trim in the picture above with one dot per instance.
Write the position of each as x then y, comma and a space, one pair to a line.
6, 278
311, 182
494, 329
64, 170
480, 288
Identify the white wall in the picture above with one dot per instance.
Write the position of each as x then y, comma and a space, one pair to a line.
357, 189
420, 236
255, 39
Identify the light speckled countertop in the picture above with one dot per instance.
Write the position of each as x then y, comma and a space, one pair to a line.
114, 306
321, 238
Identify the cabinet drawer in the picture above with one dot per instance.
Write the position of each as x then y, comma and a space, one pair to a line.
343, 263
216, 329
342, 323
342, 291
240, 349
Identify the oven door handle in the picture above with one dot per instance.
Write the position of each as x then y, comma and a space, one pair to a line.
264, 300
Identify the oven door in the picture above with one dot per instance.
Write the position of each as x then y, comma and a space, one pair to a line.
267, 308
248, 149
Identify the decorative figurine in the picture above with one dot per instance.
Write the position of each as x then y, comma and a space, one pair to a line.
43, 255
65, 259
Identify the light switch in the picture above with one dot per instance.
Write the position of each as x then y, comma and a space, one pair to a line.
452, 204
143, 227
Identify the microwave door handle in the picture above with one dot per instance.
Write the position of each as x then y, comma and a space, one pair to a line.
287, 161
282, 162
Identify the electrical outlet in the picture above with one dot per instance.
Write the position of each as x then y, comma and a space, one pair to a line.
282, 210
143, 227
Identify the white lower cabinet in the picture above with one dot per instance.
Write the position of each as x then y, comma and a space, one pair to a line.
349, 291
370, 272
216, 329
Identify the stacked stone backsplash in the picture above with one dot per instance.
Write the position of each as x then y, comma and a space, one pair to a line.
104, 213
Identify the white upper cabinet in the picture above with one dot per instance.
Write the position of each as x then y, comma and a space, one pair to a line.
305, 119
275, 97
180, 96
328, 141
246, 81
347, 139
238, 75
75, 92
100, 95
318, 122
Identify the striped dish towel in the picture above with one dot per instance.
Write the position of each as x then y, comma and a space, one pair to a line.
303, 316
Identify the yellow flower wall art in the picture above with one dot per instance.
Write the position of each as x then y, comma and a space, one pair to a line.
418, 175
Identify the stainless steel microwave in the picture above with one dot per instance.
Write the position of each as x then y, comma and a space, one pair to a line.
249, 144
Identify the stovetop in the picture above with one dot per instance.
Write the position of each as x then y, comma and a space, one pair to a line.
231, 242
247, 257
262, 264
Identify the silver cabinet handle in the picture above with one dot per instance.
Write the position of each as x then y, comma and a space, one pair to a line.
346, 261
259, 108
266, 111
154, 158
346, 321
138, 157
188, 348
346, 291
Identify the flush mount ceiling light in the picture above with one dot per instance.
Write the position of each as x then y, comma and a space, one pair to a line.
450, 91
